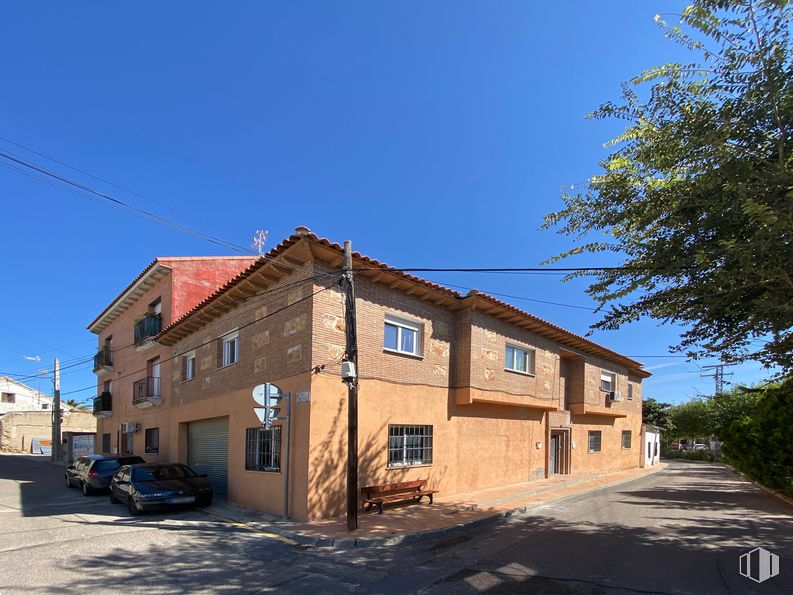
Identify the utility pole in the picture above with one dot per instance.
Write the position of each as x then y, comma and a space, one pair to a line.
718, 376
55, 449
351, 378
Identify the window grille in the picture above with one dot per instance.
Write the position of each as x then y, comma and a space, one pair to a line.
263, 449
409, 445
594, 441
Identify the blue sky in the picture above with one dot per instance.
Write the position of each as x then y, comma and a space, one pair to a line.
431, 134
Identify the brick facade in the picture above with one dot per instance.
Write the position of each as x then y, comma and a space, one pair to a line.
490, 426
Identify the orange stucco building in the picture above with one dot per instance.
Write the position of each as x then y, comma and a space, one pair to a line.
465, 391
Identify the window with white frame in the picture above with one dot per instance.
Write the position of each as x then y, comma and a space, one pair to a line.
630, 391
594, 441
263, 449
401, 335
188, 366
608, 381
519, 359
409, 445
229, 353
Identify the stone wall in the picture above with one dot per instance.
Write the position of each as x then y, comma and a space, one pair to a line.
19, 428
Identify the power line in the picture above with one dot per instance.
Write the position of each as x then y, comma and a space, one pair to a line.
194, 347
118, 203
109, 183
8, 361
518, 297
500, 269
89, 357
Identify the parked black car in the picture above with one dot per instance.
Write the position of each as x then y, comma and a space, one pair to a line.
93, 472
154, 486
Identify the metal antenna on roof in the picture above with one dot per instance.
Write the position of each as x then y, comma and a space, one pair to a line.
259, 240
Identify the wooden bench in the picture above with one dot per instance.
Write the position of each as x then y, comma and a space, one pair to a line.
395, 492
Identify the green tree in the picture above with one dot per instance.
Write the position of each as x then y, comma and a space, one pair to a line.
71, 403
759, 441
691, 420
696, 196
656, 414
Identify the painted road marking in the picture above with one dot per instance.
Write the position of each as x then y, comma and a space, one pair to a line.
252, 529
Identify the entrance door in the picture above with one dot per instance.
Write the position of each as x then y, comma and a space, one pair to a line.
554, 453
208, 452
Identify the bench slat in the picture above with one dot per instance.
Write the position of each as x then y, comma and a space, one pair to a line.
394, 492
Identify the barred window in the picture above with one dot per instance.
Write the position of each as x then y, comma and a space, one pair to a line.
594, 441
409, 445
263, 449
626, 438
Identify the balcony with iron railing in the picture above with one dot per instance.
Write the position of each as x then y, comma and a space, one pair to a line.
103, 405
103, 360
146, 392
146, 328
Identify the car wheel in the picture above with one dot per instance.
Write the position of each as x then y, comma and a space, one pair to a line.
113, 499
206, 502
68, 482
87, 490
133, 510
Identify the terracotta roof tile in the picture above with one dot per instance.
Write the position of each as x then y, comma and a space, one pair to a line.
574, 339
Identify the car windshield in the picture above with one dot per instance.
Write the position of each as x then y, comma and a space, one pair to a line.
107, 466
161, 473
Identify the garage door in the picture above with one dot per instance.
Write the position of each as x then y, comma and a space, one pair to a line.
208, 451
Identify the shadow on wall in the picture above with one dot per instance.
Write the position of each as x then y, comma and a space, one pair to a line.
328, 473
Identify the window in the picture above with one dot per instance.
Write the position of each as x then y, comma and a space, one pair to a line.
45, 406
607, 381
409, 445
630, 391
105, 442
263, 449
8, 398
594, 441
626, 438
401, 336
153, 440
188, 366
229, 353
519, 359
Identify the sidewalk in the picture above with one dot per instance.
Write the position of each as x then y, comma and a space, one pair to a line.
413, 522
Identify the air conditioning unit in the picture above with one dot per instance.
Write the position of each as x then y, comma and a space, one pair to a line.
129, 427
614, 396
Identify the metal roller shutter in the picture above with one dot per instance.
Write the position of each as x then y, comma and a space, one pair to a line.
208, 451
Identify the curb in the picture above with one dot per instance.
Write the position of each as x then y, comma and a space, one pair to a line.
349, 542
777, 494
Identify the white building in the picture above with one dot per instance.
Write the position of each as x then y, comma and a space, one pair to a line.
15, 396
651, 441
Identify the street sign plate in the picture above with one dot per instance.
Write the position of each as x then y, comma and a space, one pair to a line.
258, 393
260, 413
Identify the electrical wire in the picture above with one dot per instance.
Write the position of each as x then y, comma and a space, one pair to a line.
114, 185
194, 347
129, 208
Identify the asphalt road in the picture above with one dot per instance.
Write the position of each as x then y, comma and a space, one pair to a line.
677, 531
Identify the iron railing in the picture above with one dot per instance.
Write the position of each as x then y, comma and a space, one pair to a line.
103, 358
146, 327
145, 389
103, 403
